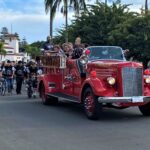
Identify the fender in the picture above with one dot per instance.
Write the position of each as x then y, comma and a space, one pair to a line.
146, 90
99, 87
43, 79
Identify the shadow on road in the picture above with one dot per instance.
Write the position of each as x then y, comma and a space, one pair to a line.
108, 114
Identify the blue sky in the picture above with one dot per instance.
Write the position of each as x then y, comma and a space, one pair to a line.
29, 20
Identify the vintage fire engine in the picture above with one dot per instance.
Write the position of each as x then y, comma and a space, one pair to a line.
101, 77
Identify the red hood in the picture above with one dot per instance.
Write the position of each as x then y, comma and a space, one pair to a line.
113, 64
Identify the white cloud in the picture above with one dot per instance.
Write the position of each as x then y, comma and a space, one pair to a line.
28, 18
32, 26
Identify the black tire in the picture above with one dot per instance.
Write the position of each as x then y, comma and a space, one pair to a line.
3, 89
29, 95
47, 100
29, 92
92, 108
34, 96
0, 90
145, 109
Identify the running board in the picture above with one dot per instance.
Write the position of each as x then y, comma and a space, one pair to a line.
64, 97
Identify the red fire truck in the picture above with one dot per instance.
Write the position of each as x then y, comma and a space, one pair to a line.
100, 78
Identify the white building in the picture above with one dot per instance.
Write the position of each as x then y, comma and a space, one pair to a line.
13, 41
11, 45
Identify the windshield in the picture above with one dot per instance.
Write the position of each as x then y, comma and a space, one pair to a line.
106, 52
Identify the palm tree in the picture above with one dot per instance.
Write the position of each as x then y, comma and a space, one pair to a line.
52, 5
49, 8
146, 6
2, 50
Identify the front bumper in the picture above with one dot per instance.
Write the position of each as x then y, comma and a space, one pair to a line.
134, 99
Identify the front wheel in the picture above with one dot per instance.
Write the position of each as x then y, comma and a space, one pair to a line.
92, 108
145, 109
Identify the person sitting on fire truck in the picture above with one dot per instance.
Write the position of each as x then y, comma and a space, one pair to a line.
58, 50
48, 45
78, 49
67, 50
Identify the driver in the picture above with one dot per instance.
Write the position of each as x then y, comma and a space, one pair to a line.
105, 54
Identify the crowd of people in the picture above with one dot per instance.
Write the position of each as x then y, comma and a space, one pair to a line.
69, 49
18, 72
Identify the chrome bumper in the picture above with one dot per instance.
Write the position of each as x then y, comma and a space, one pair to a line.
134, 99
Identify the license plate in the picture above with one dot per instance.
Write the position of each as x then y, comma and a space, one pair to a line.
137, 99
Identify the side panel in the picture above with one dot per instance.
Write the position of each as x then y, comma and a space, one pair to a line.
67, 79
72, 82
52, 81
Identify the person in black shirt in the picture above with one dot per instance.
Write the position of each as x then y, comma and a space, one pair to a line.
48, 45
19, 72
78, 49
32, 71
8, 73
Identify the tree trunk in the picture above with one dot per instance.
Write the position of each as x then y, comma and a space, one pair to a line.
146, 6
66, 10
51, 24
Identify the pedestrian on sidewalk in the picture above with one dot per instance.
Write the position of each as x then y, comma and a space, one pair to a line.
19, 72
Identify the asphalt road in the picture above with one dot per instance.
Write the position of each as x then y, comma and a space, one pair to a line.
26, 124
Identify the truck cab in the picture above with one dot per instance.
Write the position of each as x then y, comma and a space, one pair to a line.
101, 77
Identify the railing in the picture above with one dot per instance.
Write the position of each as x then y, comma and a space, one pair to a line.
53, 61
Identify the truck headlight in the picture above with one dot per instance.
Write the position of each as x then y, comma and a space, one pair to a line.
147, 80
111, 80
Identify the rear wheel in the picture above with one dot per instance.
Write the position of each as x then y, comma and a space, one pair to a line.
92, 108
145, 109
47, 100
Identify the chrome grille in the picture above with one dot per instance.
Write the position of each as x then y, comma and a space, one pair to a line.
132, 81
